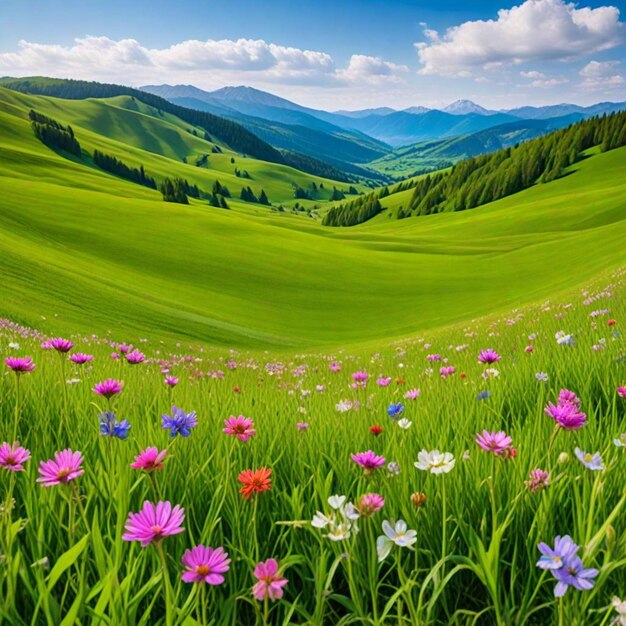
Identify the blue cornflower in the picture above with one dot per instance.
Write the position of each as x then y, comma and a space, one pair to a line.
110, 427
483, 395
179, 423
393, 410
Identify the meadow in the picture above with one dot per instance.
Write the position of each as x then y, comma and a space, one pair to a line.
398, 535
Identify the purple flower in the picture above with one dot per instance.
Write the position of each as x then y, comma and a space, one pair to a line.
108, 388
179, 423
566, 567
154, 522
20, 364
488, 356
590, 461
80, 359
110, 427
171, 381
60, 345
135, 357
205, 565
566, 415
369, 461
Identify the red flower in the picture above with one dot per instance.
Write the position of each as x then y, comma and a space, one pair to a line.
236, 389
611, 322
462, 374
376, 430
400, 381
254, 481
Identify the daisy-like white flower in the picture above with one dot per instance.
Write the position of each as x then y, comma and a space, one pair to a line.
620, 607
398, 535
341, 522
435, 462
590, 461
404, 423
620, 441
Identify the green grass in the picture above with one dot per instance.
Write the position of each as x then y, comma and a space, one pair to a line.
64, 560
89, 251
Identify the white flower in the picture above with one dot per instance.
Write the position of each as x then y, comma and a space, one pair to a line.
620, 607
435, 462
620, 442
404, 423
491, 372
398, 535
341, 523
343, 406
14, 345
72, 381
563, 339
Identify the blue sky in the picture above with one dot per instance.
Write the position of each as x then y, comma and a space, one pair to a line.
342, 54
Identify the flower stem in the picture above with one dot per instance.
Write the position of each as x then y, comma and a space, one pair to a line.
16, 418
167, 591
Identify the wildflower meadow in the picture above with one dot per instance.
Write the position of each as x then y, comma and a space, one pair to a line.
470, 475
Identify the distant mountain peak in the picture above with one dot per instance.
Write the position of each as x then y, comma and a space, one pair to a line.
417, 110
464, 107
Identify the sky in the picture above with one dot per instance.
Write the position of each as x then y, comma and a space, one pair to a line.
341, 54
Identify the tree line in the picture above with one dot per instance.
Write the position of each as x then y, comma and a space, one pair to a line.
113, 165
482, 179
53, 134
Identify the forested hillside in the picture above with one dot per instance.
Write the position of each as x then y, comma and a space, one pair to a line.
479, 180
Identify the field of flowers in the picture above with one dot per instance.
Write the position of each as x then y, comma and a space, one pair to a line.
471, 476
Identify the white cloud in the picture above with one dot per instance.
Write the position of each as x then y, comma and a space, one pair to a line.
533, 74
371, 69
549, 82
601, 75
217, 61
537, 30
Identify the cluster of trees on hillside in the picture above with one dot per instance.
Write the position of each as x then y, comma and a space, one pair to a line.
53, 134
177, 190
479, 180
313, 166
248, 196
115, 166
359, 210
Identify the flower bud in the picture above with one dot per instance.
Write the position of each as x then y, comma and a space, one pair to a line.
418, 499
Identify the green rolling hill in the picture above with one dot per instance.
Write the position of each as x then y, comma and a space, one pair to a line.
92, 252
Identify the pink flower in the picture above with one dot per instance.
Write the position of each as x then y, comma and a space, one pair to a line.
565, 395
383, 381
60, 345
334, 367
205, 565
539, 479
108, 388
240, 427
149, 460
488, 356
65, 467
369, 461
270, 583
302, 426
566, 415
154, 522
529, 348
80, 359
412, 394
124, 348
135, 357
433, 357
171, 381
12, 457
360, 378
621, 392
370, 503
496, 442
447, 371
20, 364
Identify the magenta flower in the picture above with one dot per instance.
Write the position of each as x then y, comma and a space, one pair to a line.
302, 426
61, 345
539, 479
433, 357
270, 583
13, 457
240, 427
496, 442
19, 364
205, 565
108, 388
384, 381
171, 381
154, 522
135, 357
566, 415
621, 392
149, 460
369, 461
80, 359
360, 378
565, 395
447, 371
488, 356
334, 367
370, 503
65, 467
124, 348
412, 394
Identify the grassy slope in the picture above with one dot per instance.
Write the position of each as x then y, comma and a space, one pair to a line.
101, 253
